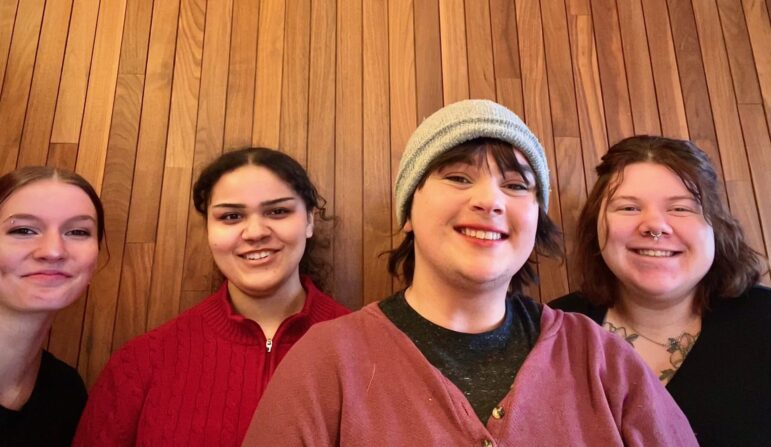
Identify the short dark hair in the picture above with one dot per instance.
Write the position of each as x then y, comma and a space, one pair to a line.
736, 266
401, 260
15, 180
289, 171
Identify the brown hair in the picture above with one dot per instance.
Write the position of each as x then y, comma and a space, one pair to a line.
291, 173
401, 260
15, 180
736, 266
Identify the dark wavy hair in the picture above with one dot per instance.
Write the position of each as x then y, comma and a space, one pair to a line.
736, 266
15, 180
401, 260
294, 175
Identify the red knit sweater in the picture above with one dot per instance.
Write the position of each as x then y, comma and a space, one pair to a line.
195, 380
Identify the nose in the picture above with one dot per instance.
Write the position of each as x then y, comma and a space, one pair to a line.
255, 228
51, 247
654, 221
487, 198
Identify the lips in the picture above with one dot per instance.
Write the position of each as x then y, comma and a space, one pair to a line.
48, 274
257, 254
655, 252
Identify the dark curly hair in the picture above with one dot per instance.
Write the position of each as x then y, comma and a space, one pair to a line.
293, 174
736, 266
401, 260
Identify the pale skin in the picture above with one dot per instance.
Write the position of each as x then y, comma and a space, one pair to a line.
657, 276
48, 252
460, 281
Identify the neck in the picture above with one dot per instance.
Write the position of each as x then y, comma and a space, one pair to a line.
468, 310
269, 310
656, 318
21, 341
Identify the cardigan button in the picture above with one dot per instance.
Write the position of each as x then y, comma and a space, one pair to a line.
498, 412
487, 443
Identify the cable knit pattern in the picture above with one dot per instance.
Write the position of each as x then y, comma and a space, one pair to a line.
194, 381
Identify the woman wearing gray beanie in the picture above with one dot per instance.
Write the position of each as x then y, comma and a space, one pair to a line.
461, 356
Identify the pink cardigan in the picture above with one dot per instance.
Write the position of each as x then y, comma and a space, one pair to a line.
359, 380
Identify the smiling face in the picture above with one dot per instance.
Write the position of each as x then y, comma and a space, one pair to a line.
474, 227
48, 246
651, 199
257, 229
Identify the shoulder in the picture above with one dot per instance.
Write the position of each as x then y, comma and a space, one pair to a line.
61, 378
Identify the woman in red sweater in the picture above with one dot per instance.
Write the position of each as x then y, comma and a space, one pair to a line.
197, 379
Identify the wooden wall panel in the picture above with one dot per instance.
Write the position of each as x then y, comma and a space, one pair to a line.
341, 85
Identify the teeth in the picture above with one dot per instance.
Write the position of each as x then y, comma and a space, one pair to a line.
257, 255
655, 253
479, 234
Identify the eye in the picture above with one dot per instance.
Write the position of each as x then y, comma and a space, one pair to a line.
626, 208
517, 186
455, 178
278, 212
81, 233
229, 217
22, 231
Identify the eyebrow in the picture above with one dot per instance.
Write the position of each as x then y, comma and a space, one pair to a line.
36, 218
265, 203
673, 198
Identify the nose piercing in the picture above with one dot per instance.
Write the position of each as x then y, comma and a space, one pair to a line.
655, 236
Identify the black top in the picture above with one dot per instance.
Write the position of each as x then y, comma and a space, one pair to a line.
482, 366
724, 385
51, 414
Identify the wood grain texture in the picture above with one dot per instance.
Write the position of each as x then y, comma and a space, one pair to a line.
139, 95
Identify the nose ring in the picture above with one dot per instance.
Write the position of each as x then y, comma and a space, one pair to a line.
655, 236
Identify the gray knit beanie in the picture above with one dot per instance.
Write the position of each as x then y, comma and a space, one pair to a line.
455, 124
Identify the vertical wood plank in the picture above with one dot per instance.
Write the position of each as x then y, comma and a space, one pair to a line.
239, 108
321, 128
452, 26
18, 77
131, 314
348, 155
153, 124
7, 20
739, 51
426, 56
666, 77
591, 113
637, 61
75, 72
481, 70
210, 128
294, 93
572, 193
180, 146
45, 83
101, 93
552, 273
99, 322
267, 87
759, 28
508, 81
376, 218
615, 90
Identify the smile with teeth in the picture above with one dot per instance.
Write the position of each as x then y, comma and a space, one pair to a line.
655, 253
481, 234
257, 255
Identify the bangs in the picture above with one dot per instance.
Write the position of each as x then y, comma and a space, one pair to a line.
474, 152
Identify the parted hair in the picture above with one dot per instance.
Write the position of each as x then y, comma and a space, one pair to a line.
736, 266
290, 172
401, 260
15, 180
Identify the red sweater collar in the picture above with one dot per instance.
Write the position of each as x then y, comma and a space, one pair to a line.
219, 313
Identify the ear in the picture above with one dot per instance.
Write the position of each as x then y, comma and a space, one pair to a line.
407, 227
309, 226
